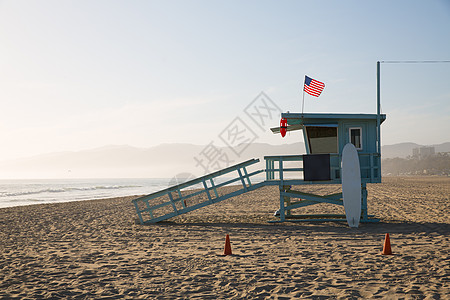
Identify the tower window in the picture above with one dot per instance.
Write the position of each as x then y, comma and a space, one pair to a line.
322, 139
356, 137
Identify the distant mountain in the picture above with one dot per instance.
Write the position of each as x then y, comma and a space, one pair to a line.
122, 161
403, 150
164, 161
105, 162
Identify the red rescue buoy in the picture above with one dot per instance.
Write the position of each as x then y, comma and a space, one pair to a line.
283, 126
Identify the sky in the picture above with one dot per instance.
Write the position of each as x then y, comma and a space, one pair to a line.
80, 74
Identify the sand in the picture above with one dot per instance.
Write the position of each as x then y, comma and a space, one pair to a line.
96, 249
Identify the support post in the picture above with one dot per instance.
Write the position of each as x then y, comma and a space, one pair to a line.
282, 211
364, 213
287, 199
378, 109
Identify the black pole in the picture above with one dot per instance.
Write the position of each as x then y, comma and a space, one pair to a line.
378, 109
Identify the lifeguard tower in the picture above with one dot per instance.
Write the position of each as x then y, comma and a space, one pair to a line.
326, 137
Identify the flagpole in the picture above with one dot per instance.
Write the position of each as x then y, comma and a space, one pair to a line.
303, 102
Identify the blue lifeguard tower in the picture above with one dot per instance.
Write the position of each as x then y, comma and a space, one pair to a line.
325, 135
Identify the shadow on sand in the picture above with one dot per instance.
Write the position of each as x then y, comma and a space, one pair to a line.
318, 227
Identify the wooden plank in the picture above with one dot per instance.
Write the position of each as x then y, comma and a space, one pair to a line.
308, 220
302, 203
312, 197
285, 157
316, 216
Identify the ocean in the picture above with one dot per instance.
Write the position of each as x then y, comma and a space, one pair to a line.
25, 192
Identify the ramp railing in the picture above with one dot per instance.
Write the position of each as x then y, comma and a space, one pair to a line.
196, 193
277, 171
283, 170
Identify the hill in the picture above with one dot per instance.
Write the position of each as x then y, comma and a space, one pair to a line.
164, 161
123, 161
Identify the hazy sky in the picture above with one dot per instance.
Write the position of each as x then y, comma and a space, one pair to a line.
82, 74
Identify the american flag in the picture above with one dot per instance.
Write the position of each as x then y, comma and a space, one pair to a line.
313, 87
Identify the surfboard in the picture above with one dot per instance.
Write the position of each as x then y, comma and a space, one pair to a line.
351, 185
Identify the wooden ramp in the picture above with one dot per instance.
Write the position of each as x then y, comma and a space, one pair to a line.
196, 193
210, 189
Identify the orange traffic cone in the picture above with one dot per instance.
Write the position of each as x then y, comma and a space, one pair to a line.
227, 250
387, 246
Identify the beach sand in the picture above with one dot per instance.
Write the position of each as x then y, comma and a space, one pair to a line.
97, 249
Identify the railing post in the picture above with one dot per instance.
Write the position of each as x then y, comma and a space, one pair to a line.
272, 167
173, 203
280, 163
246, 176
150, 212
206, 190
214, 187
242, 179
139, 213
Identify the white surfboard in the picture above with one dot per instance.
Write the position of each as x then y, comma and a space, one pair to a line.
351, 185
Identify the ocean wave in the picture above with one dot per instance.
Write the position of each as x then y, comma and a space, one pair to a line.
66, 190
